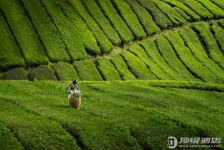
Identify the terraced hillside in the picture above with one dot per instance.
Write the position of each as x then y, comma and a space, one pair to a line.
112, 40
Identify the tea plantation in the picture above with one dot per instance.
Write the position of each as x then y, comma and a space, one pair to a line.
148, 70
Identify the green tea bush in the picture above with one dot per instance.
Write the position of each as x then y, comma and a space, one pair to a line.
182, 13
198, 8
86, 35
154, 68
207, 39
172, 14
65, 71
218, 33
219, 3
153, 53
10, 52
193, 43
8, 139
48, 33
68, 32
185, 55
42, 72
122, 68
101, 38
107, 69
158, 16
130, 18
217, 11
116, 21
137, 66
221, 23
171, 58
15, 74
184, 8
86, 70
144, 17
24, 32
102, 21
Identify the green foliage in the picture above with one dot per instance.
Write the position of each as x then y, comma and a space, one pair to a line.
171, 58
122, 68
217, 11
107, 69
219, 3
113, 115
24, 33
192, 41
119, 25
33, 131
43, 72
218, 33
47, 31
15, 74
159, 17
101, 38
173, 15
198, 8
86, 35
65, 71
144, 17
154, 68
87, 70
184, 8
182, 13
137, 67
7, 139
68, 32
130, 18
207, 38
10, 52
185, 55
153, 53
102, 21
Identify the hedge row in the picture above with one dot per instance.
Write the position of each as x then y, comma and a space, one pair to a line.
107, 69
198, 8
219, 3
137, 67
171, 58
101, 38
86, 70
144, 17
185, 55
122, 68
193, 43
183, 14
69, 33
48, 33
130, 18
154, 68
207, 38
86, 35
171, 13
158, 16
65, 71
218, 33
10, 52
119, 25
16, 74
152, 51
102, 21
43, 72
24, 33
217, 11
184, 8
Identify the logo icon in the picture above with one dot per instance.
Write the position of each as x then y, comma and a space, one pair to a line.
171, 142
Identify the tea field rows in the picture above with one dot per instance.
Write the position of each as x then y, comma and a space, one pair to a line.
113, 115
85, 37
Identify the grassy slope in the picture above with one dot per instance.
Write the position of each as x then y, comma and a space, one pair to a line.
113, 115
